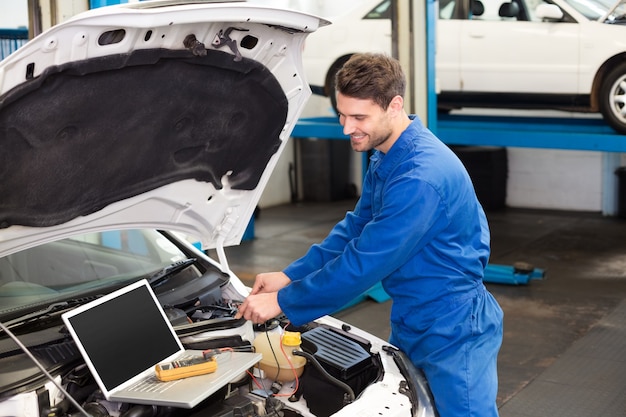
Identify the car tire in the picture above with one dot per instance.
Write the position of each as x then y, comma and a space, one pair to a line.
613, 98
330, 79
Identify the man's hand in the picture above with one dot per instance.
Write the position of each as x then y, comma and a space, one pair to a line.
269, 282
262, 303
259, 308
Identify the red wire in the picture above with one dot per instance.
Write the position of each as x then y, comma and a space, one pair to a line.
293, 368
256, 382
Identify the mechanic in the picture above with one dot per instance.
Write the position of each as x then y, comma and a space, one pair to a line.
417, 227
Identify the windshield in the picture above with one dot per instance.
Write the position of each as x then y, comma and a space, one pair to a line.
597, 9
59, 270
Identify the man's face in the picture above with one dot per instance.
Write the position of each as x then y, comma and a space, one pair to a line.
367, 124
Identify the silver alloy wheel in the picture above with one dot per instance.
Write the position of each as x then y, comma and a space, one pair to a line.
612, 98
617, 98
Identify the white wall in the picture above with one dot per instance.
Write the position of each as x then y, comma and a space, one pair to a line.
13, 14
278, 190
554, 179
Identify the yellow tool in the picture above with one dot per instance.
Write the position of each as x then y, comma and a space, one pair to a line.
185, 368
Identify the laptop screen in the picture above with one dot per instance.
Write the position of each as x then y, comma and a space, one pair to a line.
123, 334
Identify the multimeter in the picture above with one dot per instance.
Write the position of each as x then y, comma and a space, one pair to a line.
185, 368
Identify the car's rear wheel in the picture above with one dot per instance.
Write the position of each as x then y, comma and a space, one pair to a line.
613, 98
330, 79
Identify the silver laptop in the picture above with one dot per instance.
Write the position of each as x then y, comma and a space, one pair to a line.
123, 335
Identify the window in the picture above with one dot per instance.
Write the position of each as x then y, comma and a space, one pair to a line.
382, 11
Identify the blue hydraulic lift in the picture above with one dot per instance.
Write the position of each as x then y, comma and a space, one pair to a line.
508, 131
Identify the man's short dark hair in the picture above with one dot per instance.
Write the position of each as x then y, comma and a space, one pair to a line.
373, 76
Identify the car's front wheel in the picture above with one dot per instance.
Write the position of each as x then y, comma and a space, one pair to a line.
613, 98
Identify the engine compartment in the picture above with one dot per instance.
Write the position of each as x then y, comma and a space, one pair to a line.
344, 369
338, 367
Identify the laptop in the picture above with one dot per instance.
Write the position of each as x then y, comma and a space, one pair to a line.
124, 334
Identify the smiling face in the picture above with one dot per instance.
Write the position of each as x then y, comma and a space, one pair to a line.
368, 124
369, 91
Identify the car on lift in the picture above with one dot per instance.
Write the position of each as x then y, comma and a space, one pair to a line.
136, 142
525, 54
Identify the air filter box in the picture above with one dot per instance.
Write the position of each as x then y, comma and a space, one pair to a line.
345, 359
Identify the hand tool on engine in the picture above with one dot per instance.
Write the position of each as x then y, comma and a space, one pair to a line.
185, 368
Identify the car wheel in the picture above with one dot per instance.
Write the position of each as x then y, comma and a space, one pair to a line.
330, 79
613, 98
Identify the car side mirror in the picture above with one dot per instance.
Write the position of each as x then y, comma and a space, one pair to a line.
550, 12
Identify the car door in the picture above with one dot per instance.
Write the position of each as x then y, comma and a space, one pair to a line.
519, 54
447, 54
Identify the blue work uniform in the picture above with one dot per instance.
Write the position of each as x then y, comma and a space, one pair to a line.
419, 229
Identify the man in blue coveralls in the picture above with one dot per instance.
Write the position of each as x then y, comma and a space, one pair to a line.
419, 229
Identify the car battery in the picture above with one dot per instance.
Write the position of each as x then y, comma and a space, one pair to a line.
344, 359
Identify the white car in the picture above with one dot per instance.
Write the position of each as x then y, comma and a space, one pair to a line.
134, 138
530, 54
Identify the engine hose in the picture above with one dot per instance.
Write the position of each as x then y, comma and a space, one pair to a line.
347, 389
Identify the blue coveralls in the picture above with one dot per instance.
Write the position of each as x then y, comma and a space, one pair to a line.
419, 228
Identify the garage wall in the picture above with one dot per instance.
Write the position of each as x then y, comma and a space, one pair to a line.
554, 179
278, 189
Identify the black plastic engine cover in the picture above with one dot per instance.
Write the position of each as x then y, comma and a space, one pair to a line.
344, 359
341, 357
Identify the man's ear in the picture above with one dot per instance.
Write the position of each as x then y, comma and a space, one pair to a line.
396, 104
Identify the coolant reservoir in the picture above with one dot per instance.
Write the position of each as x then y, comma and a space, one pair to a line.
279, 364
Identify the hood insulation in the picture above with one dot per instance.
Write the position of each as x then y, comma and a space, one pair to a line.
89, 133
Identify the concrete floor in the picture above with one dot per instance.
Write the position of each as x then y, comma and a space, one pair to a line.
564, 349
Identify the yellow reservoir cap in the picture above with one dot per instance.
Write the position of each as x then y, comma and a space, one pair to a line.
292, 339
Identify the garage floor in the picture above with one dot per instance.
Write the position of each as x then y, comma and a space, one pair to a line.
564, 349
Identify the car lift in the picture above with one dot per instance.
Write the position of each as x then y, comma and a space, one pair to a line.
530, 132
510, 131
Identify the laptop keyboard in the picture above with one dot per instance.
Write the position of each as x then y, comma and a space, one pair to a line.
152, 384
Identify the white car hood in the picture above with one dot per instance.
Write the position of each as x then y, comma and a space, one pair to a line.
119, 119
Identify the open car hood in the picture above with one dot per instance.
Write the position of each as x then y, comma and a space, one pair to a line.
159, 114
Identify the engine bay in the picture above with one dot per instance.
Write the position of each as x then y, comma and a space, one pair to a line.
320, 369
336, 367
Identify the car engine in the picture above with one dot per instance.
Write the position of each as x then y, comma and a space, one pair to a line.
338, 367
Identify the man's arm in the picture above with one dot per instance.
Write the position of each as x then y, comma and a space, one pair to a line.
335, 243
412, 215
